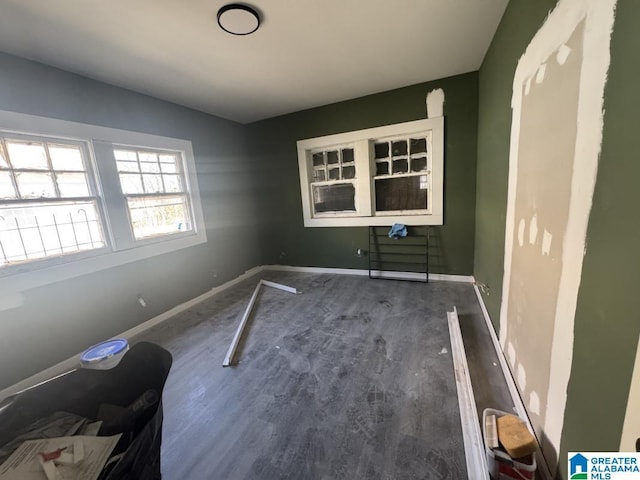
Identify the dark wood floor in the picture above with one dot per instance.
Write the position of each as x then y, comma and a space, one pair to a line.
352, 379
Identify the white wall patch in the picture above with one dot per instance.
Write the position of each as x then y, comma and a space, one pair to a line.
522, 377
511, 354
521, 226
540, 74
435, 103
570, 53
563, 54
533, 230
534, 403
546, 242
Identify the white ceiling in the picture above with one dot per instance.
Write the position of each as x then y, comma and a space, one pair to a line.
306, 53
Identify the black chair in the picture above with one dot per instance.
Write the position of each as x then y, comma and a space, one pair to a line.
144, 367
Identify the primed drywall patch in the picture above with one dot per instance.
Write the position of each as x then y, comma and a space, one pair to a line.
534, 403
556, 120
563, 54
522, 377
546, 243
511, 354
435, 103
533, 230
521, 227
540, 74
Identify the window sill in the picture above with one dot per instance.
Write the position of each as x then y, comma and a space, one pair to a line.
374, 221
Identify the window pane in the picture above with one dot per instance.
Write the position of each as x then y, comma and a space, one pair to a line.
125, 155
348, 172
6, 187
400, 193
347, 155
169, 167
334, 198
382, 168
318, 159
150, 167
173, 183
418, 145
158, 216
131, 183
44, 230
72, 185
27, 155
319, 176
3, 158
400, 166
148, 157
334, 174
66, 157
168, 158
399, 147
124, 166
332, 157
152, 183
381, 150
418, 164
35, 185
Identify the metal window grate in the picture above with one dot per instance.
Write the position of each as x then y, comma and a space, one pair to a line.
26, 237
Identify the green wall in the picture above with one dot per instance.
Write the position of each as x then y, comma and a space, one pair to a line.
520, 22
65, 317
607, 322
288, 242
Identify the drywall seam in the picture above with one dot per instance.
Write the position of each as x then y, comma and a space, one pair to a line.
631, 425
473, 443
511, 384
560, 25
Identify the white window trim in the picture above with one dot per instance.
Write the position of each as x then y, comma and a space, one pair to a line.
40, 273
365, 214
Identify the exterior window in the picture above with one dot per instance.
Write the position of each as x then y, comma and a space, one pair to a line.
402, 178
81, 198
334, 180
48, 204
154, 185
377, 176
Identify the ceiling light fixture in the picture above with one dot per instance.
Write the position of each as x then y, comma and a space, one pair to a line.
238, 19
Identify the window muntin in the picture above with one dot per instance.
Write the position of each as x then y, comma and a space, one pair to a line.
402, 179
333, 183
398, 175
155, 188
48, 201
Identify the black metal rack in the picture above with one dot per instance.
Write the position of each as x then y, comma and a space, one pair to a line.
406, 258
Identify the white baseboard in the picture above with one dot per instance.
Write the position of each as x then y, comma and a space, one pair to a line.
73, 362
521, 410
474, 451
436, 277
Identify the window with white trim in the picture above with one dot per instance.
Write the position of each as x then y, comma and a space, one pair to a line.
48, 199
78, 204
377, 176
154, 185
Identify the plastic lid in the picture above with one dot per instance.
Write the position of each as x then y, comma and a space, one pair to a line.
109, 352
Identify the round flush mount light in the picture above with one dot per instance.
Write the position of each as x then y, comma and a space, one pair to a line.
238, 19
